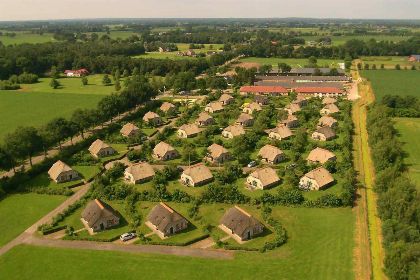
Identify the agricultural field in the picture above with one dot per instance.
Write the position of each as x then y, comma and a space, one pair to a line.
181, 47
409, 134
341, 40
394, 82
389, 62
36, 104
314, 234
20, 211
26, 37
294, 62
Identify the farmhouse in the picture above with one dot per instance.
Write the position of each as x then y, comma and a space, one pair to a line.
76, 73
167, 108
129, 130
328, 100
61, 172
196, 175
271, 154
152, 118
214, 107
245, 120
204, 119
414, 58
262, 178
217, 154
327, 121
233, 131
316, 179
100, 149
99, 216
292, 108
291, 121
251, 107
320, 155
329, 109
164, 151
264, 90
324, 133
279, 133
319, 91
188, 131
166, 220
139, 173
240, 224
261, 100
226, 99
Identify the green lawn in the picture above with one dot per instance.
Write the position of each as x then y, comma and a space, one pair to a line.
394, 82
320, 246
409, 130
389, 62
36, 104
26, 37
341, 40
294, 62
166, 55
20, 211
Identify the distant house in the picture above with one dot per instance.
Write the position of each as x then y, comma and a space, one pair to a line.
327, 121
76, 73
166, 220
214, 107
99, 216
190, 52
320, 155
271, 154
300, 100
324, 133
164, 151
279, 133
261, 100
100, 149
204, 119
264, 90
196, 175
245, 120
233, 131
217, 154
316, 179
329, 109
240, 224
167, 108
414, 58
263, 178
152, 118
188, 131
292, 108
61, 172
139, 173
226, 99
328, 100
130, 130
291, 121
251, 107
319, 91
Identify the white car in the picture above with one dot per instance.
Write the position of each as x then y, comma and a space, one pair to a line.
252, 163
127, 236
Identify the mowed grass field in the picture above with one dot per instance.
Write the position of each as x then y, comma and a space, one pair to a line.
20, 211
389, 62
394, 82
341, 40
181, 47
36, 104
26, 37
320, 246
409, 134
294, 62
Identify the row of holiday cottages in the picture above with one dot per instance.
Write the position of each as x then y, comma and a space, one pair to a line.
165, 221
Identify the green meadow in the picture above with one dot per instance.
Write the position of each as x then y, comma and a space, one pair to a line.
26, 37
294, 62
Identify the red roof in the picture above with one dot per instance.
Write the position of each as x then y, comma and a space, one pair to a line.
318, 90
267, 89
81, 71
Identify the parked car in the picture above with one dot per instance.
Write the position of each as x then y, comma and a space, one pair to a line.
127, 236
252, 164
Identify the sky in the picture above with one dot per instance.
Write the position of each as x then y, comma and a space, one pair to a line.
77, 9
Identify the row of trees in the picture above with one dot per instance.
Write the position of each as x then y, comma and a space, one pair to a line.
398, 199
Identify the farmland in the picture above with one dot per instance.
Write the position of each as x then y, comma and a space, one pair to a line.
409, 133
394, 82
19, 211
389, 62
36, 104
315, 234
26, 37
181, 47
294, 62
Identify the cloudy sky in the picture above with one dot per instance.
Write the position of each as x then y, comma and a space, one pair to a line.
74, 9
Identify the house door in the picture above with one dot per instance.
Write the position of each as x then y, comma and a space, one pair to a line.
249, 235
102, 226
171, 230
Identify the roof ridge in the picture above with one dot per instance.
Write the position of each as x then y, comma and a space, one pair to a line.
166, 207
242, 210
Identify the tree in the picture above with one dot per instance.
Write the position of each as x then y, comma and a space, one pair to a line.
85, 81
110, 106
366, 66
25, 141
54, 72
285, 68
126, 73
397, 67
54, 83
117, 85
264, 69
6, 160
106, 81
189, 153
59, 129
312, 61
82, 119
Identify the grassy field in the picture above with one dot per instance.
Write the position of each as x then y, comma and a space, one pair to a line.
26, 37
319, 247
36, 104
20, 211
395, 82
294, 62
341, 40
409, 130
181, 47
389, 62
